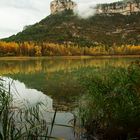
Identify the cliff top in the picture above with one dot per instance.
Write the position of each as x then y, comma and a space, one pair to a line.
61, 5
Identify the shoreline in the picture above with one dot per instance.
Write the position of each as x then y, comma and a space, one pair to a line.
68, 57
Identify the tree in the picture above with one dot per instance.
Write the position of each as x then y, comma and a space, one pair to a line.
38, 51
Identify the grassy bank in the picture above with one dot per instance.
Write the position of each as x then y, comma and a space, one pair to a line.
110, 108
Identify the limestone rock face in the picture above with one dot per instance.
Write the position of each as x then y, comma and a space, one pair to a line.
61, 5
124, 8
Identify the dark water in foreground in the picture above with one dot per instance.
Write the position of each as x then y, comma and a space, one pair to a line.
54, 82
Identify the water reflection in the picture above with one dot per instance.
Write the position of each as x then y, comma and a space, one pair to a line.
24, 97
56, 65
53, 82
57, 78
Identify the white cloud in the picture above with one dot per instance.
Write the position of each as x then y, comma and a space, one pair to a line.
15, 14
85, 10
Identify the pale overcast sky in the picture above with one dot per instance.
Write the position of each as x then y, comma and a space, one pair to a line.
15, 14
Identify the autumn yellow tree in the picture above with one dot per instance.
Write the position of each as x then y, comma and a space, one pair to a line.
38, 51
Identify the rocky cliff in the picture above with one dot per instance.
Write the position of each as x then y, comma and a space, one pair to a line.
61, 5
125, 7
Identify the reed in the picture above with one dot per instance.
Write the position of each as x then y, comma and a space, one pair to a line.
110, 108
22, 124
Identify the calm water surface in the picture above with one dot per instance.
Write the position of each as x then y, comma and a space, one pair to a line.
56, 78
53, 81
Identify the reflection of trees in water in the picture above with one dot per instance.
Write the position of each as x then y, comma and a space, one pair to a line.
56, 65
57, 78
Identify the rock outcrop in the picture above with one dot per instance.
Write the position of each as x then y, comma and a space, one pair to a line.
123, 7
61, 5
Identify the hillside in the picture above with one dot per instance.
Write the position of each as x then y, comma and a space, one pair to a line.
98, 29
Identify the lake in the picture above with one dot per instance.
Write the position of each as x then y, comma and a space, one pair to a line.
54, 80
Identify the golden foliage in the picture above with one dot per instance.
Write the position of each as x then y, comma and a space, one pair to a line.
51, 49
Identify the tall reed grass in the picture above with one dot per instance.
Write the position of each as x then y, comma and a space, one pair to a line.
22, 124
110, 108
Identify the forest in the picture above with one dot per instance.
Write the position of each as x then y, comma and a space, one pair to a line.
52, 49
